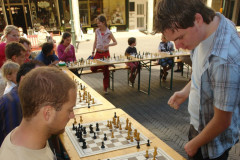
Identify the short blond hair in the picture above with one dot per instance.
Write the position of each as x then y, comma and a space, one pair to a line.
8, 68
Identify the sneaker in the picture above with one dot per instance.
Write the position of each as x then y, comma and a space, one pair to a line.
161, 74
132, 78
165, 77
178, 70
105, 92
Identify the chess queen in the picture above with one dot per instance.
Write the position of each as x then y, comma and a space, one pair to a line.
103, 37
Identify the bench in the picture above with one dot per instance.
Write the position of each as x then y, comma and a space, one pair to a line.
111, 69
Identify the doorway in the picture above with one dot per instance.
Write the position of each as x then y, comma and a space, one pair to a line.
18, 15
137, 15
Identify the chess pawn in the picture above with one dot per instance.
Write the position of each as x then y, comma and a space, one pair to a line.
126, 128
75, 121
155, 151
129, 126
108, 124
146, 155
117, 125
81, 119
138, 137
112, 134
128, 137
132, 139
93, 101
135, 133
120, 127
118, 121
114, 121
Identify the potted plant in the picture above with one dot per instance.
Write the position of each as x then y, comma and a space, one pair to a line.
113, 29
90, 30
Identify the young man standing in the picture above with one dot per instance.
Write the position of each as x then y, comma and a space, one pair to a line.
45, 113
214, 92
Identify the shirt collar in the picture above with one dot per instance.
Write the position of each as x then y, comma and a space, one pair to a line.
222, 37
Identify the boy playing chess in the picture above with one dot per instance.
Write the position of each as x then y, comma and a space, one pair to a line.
131, 50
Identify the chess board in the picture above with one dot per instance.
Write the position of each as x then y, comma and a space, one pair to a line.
114, 60
147, 56
85, 102
161, 155
94, 145
80, 64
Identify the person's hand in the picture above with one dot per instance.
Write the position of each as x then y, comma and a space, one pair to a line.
191, 148
176, 99
54, 62
67, 48
106, 47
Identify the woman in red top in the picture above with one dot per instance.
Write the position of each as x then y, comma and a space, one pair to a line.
11, 34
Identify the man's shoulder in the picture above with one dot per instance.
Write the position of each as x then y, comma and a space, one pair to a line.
39, 56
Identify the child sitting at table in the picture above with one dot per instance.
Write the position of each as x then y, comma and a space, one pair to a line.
166, 63
9, 72
131, 50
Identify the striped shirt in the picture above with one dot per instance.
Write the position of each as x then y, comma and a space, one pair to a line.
220, 87
103, 40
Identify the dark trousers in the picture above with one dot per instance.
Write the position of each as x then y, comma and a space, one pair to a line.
198, 156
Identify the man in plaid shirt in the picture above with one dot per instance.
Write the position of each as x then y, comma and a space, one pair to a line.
214, 90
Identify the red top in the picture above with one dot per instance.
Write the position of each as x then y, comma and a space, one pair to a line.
2, 53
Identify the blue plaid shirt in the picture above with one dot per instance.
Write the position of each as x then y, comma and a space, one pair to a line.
220, 87
10, 113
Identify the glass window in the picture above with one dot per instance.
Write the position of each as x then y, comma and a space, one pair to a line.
132, 6
96, 8
2, 20
15, 1
83, 11
44, 13
115, 12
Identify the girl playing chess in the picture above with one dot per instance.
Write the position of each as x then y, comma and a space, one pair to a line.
103, 36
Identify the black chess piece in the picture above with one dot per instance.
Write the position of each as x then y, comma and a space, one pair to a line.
81, 86
114, 56
148, 143
76, 133
91, 128
102, 145
94, 137
88, 105
84, 130
97, 127
105, 137
84, 145
115, 115
138, 145
73, 128
80, 137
